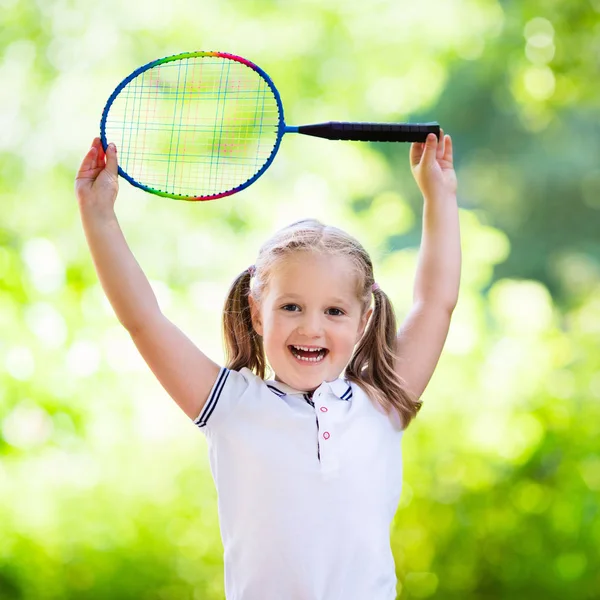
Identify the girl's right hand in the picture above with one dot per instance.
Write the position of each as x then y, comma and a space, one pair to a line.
96, 184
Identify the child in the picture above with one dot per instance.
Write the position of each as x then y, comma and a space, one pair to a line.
308, 465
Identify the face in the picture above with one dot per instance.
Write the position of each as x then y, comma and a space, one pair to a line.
310, 318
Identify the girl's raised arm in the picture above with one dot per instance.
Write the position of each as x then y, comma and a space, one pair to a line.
183, 370
423, 333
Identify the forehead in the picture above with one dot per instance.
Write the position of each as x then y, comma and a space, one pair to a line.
302, 272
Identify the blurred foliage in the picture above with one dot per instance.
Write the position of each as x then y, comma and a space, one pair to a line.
105, 490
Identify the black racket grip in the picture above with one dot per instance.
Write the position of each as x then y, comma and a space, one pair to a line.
372, 132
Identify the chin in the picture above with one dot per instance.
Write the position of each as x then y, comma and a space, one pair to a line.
311, 381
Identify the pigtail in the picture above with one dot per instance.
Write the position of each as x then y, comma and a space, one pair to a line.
243, 346
372, 366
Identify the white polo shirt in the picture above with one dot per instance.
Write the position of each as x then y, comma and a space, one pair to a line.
307, 489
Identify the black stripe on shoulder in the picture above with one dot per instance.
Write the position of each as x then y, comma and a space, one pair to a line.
211, 403
347, 394
276, 391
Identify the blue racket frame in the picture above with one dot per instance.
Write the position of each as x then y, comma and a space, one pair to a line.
281, 129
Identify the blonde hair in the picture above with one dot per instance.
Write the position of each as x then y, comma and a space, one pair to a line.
373, 361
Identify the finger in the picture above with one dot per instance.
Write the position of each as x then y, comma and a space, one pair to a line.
429, 154
95, 161
448, 150
416, 152
111, 160
98, 145
89, 162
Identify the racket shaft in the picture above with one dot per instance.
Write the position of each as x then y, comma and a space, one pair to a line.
371, 132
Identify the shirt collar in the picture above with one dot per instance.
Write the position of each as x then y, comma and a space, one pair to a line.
340, 388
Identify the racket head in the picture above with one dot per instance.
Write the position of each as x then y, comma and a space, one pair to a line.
194, 126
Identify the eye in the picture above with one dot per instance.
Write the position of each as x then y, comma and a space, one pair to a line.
291, 307
335, 312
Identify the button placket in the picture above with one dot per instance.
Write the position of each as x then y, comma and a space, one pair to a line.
312, 401
317, 401
329, 463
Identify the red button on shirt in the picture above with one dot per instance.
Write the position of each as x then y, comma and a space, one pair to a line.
326, 435
323, 409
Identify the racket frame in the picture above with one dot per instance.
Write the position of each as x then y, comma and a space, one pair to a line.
281, 129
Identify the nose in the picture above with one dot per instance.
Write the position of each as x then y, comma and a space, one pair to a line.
311, 325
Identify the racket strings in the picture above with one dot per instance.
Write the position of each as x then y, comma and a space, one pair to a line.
194, 127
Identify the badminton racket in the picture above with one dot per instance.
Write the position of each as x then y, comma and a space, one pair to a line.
204, 125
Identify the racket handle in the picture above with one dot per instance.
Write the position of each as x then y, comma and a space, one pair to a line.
371, 132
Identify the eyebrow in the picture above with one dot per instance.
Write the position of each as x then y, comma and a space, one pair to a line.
282, 297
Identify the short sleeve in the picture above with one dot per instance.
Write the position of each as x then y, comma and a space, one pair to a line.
229, 387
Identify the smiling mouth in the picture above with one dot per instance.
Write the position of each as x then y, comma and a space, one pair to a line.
307, 354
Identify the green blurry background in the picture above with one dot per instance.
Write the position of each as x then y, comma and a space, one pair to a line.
105, 490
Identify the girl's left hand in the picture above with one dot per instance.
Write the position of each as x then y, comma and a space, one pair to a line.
432, 166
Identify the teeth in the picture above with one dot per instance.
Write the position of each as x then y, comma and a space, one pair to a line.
308, 349
318, 358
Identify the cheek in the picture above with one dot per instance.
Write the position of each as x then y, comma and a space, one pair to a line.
275, 326
344, 338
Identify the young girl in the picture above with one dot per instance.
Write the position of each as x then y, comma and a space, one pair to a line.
308, 464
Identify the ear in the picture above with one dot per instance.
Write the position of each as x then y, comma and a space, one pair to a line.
255, 315
363, 323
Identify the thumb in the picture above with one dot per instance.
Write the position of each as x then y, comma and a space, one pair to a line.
430, 149
111, 160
